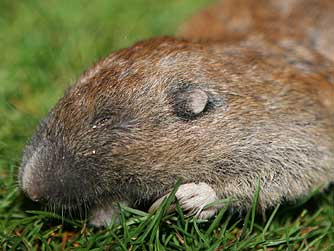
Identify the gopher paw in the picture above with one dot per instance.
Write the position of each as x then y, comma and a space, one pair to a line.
103, 215
193, 198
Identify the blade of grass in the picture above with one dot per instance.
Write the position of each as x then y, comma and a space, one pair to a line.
270, 220
218, 218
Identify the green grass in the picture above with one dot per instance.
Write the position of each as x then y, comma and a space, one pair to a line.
44, 46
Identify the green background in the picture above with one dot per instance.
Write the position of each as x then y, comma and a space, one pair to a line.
44, 46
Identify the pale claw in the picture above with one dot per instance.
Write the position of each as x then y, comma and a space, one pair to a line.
193, 199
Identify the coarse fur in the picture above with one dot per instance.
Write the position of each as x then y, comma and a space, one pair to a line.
207, 109
305, 22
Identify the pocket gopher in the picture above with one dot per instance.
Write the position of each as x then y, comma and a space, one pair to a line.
220, 111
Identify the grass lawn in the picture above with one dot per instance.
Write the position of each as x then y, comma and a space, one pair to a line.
44, 46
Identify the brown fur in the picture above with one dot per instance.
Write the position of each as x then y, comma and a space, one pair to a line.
308, 22
115, 135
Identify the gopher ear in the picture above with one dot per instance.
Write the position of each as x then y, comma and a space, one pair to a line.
191, 102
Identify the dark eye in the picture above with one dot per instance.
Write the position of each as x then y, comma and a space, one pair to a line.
190, 102
103, 121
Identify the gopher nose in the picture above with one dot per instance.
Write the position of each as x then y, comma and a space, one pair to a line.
32, 185
30, 180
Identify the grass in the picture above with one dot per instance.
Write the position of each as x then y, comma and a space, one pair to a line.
44, 46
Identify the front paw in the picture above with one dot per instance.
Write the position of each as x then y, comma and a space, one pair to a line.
103, 215
193, 199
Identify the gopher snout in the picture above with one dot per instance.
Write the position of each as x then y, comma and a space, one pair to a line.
48, 176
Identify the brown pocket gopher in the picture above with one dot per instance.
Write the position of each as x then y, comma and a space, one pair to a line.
247, 104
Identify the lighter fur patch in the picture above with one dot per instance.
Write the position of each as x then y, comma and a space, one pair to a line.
105, 215
27, 176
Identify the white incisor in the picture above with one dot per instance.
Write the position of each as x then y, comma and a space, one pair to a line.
193, 199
